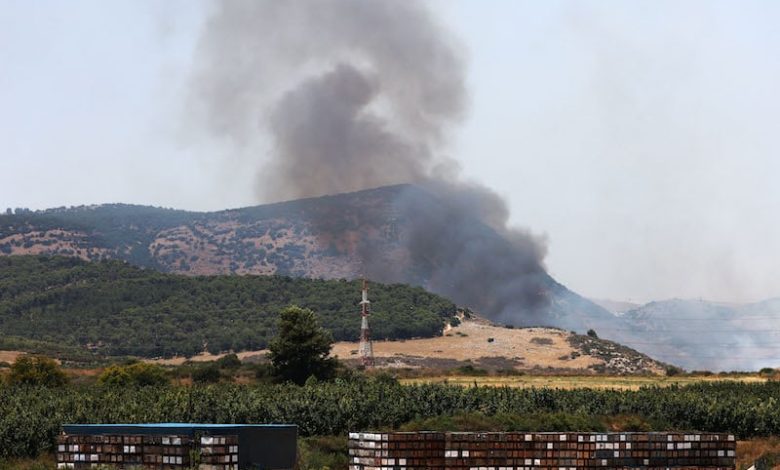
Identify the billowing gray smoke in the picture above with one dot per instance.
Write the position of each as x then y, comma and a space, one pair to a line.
354, 95
487, 265
327, 142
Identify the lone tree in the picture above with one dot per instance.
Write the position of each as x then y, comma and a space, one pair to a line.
301, 348
37, 370
140, 374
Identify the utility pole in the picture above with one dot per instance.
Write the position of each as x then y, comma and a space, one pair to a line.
366, 348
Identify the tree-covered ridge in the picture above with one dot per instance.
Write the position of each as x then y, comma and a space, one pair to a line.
267, 239
117, 309
92, 232
375, 232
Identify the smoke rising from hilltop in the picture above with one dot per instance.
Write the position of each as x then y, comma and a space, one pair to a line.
490, 267
327, 143
354, 95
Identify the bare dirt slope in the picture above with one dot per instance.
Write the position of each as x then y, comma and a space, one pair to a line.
482, 344
9, 356
495, 347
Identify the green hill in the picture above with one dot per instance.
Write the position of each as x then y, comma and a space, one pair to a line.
113, 308
376, 232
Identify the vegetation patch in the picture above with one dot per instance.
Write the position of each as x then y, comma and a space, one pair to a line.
56, 305
618, 359
536, 422
542, 341
323, 452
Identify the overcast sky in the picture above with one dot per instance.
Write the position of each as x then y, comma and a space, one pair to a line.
641, 138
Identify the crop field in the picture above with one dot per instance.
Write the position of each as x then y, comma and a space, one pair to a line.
583, 381
30, 417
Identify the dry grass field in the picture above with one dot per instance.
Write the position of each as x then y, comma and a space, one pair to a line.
749, 451
585, 381
472, 342
488, 346
475, 340
202, 357
485, 345
9, 356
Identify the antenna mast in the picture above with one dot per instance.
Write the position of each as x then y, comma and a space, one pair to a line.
366, 348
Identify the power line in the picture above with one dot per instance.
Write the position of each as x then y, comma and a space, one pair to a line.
735, 317
725, 345
735, 331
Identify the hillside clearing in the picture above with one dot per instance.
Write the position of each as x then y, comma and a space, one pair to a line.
493, 347
484, 345
9, 356
470, 341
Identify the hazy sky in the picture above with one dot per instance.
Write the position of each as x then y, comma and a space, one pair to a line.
641, 138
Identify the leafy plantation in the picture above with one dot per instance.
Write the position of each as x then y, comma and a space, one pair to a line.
113, 308
30, 417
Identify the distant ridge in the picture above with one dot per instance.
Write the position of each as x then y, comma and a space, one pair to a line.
615, 306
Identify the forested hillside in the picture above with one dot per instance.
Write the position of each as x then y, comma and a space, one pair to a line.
376, 232
308, 238
113, 308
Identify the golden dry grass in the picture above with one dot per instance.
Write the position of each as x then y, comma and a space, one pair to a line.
749, 451
586, 381
202, 357
470, 341
466, 342
10, 356
477, 341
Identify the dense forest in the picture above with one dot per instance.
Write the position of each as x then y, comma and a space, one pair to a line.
113, 308
30, 417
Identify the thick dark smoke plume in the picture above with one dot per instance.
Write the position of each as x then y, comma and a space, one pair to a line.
353, 95
489, 266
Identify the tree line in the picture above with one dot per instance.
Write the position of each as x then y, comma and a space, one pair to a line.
113, 308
